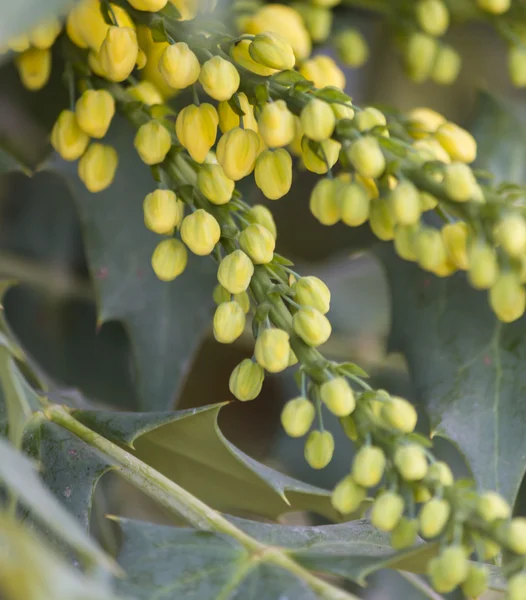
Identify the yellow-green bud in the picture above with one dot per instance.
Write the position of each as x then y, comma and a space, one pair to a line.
432, 16
404, 534
312, 326
368, 118
439, 577
440, 472
367, 157
97, 167
214, 184
43, 36
454, 563
323, 72
220, 294
495, 7
507, 297
347, 496
428, 201
381, 219
34, 68
457, 142
517, 587
411, 462
490, 549
492, 506
324, 202
311, 291
349, 427
229, 322
319, 449
273, 173
95, 110
424, 121
196, 129
483, 266
200, 232
430, 248
317, 19
447, 65
476, 582
433, 517
258, 243
368, 466
399, 414
511, 234
235, 272
240, 54
169, 259
517, 65
179, 66
387, 511
246, 380
459, 182
152, 142
67, 138
338, 397
261, 215
317, 120
162, 211
404, 242
219, 78
118, 53
354, 204
148, 5
276, 124
420, 55
328, 151
455, 236
228, 119
352, 48
405, 203
297, 416
272, 50
243, 300
343, 111
237, 151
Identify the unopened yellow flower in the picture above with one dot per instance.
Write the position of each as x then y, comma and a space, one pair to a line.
235, 272
118, 53
97, 167
319, 449
424, 122
369, 117
323, 72
432, 16
214, 184
495, 7
219, 78
297, 416
146, 92
148, 5
67, 138
34, 68
483, 265
354, 204
311, 291
162, 211
43, 36
229, 322
262, 216
317, 120
352, 48
272, 350
420, 53
323, 159
272, 50
447, 65
318, 20
237, 151
276, 124
511, 233
169, 259
228, 119
200, 232
95, 110
179, 66
457, 142
455, 237
324, 202
508, 298
311, 325
459, 182
405, 203
196, 128
246, 380
273, 173
258, 243
367, 157
338, 397
152, 142
517, 65
240, 54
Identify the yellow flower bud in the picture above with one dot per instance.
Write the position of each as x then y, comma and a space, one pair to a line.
169, 259
368, 466
97, 167
235, 272
152, 142
516, 587
272, 350
455, 236
229, 322
20, 43
433, 517
411, 462
228, 119
511, 234
240, 54
146, 92
427, 201
508, 298
399, 414
196, 129
495, 7
179, 66
454, 564
381, 220
517, 65
219, 78
312, 326
237, 151
323, 72
432, 16
258, 243
387, 511
261, 215
439, 577
490, 549
447, 65
200, 232
272, 50
43, 36
67, 138
162, 211
317, 19
404, 242
347, 496
420, 55
421, 493
367, 157
118, 53
430, 248
311, 291
319, 449
440, 472
492, 506
148, 5
324, 202
457, 142
343, 111
483, 266
459, 182
273, 173
338, 397
246, 380
317, 120
476, 582
424, 121
354, 204
95, 110
243, 300
276, 124
405, 203
297, 416
368, 118
220, 294
34, 68
214, 184
352, 48
324, 159
404, 534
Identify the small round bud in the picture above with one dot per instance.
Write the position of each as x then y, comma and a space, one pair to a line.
517, 587
338, 397
162, 211
370, 117
428, 201
200, 232
169, 259
508, 297
352, 48
97, 167
273, 173
433, 517
432, 16
495, 7
235, 272
67, 138
220, 294
455, 236
319, 449
148, 5
440, 472
95, 110
179, 66
447, 65
324, 202
368, 466
318, 20
43, 36
511, 234
492, 506
229, 322
421, 493
354, 204
262, 216
152, 142
349, 427
272, 50
387, 511
430, 249
439, 577
196, 129
323, 159
405, 203
404, 242
454, 563
424, 122
399, 414
404, 534
476, 582
367, 157
483, 266
214, 184
490, 549
219, 78
317, 120
457, 142
411, 462
246, 380
297, 416
241, 55
311, 326
381, 219
420, 55
34, 68
228, 119
343, 111
237, 151
517, 65
347, 496
243, 300
323, 72
459, 182
276, 124
258, 243
311, 291
118, 53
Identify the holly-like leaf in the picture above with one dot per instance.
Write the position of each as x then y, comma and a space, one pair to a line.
20, 16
